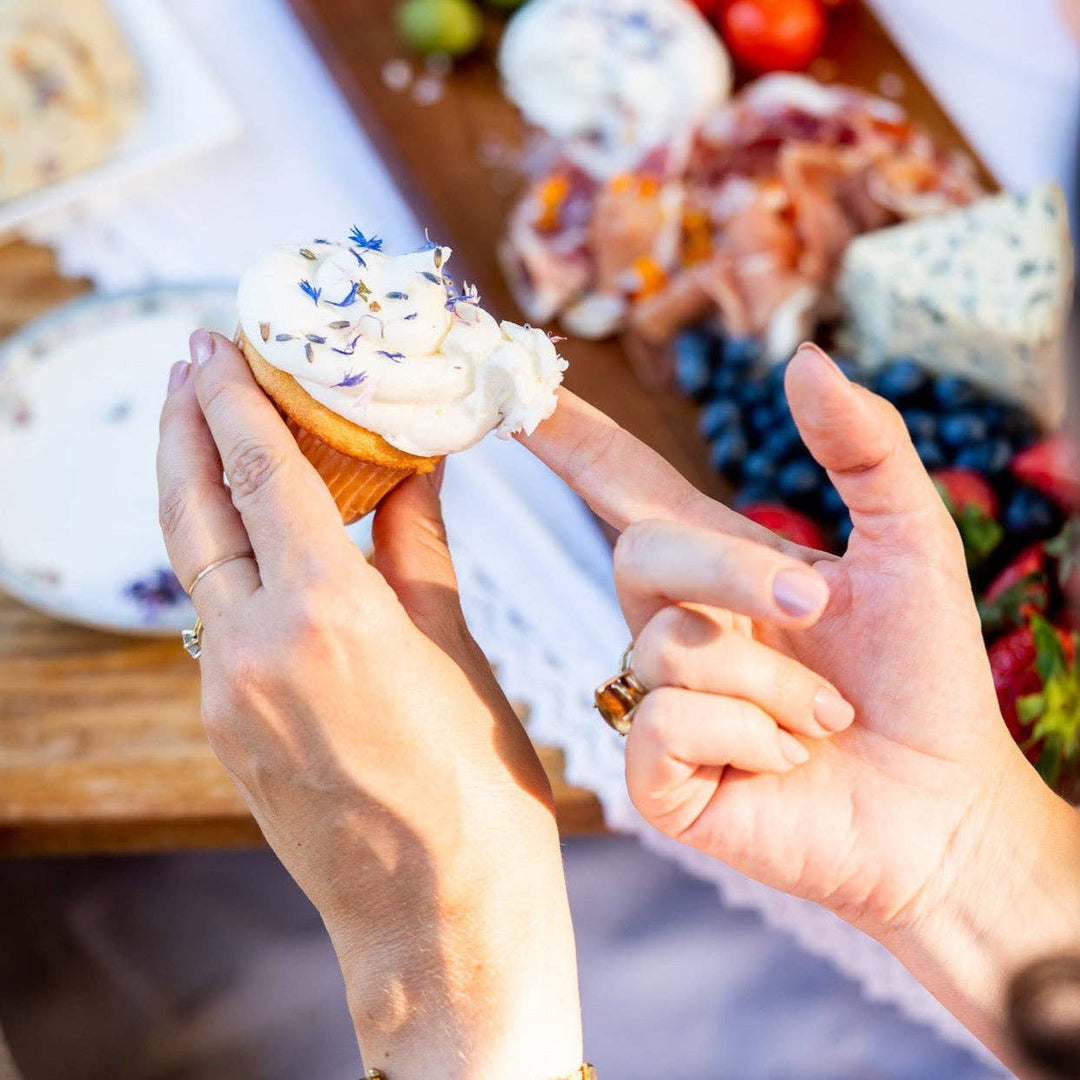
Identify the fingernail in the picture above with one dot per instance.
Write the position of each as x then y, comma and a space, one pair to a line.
202, 344
818, 351
794, 752
831, 711
177, 374
435, 477
799, 592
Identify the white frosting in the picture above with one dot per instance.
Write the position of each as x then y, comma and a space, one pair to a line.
390, 343
613, 79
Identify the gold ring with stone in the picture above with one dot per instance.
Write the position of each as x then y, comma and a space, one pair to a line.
617, 698
192, 639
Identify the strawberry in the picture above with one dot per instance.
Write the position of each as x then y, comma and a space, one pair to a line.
1053, 467
1012, 662
974, 507
789, 524
1037, 679
964, 487
1021, 590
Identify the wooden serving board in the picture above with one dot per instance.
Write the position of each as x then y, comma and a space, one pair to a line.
101, 748
440, 156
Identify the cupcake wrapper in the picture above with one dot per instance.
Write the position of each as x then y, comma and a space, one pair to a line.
357, 486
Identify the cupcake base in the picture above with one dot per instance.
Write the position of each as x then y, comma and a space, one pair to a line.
357, 486
358, 466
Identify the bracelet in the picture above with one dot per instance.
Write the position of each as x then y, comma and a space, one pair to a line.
586, 1072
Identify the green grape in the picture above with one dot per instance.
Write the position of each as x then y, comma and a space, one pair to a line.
453, 27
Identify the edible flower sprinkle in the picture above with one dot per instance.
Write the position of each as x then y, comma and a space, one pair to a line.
365, 243
353, 379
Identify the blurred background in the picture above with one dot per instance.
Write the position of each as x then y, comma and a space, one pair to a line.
684, 191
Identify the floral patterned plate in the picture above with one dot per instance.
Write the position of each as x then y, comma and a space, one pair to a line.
80, 394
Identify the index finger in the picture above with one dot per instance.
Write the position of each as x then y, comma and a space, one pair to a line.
198, 520
624, 481
287, 510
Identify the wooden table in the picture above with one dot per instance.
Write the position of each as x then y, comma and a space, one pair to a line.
101, 746
100, 742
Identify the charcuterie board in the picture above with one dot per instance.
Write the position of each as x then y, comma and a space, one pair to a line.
452, 159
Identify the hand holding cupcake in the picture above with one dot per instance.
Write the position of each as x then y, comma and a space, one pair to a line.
381, 364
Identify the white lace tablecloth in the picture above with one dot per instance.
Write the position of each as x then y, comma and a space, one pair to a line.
534, 569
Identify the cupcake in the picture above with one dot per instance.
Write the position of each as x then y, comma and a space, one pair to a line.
381, 365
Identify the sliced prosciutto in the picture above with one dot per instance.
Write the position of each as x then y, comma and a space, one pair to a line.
748, 225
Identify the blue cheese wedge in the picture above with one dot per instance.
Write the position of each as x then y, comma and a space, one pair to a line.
983, 292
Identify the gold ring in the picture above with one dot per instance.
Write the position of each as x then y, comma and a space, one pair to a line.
192, 639
215, 564
617, 698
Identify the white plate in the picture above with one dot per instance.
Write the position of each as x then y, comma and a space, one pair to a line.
80, 395
185, 112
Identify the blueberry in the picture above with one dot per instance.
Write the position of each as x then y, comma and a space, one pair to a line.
718, 417
971, 457
1019, 427
962, 429
930, 454
920, 424
831, 504
994, 413
799, 480
740, 353
728, 451
782, 441
990, 457
1030, 513
1000, 453
726, 382
695, 358
753, 392
775, 380
844, 529
758, 466
953, 393
763, 419
901, 381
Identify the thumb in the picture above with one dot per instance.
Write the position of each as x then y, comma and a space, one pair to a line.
863, 444
411, 553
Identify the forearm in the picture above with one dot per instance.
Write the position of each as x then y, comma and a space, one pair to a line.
481, 981
1013, 897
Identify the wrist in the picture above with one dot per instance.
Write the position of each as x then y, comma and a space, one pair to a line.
465, 975
1008, 894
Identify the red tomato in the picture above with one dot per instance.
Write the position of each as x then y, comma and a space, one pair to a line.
774, 35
